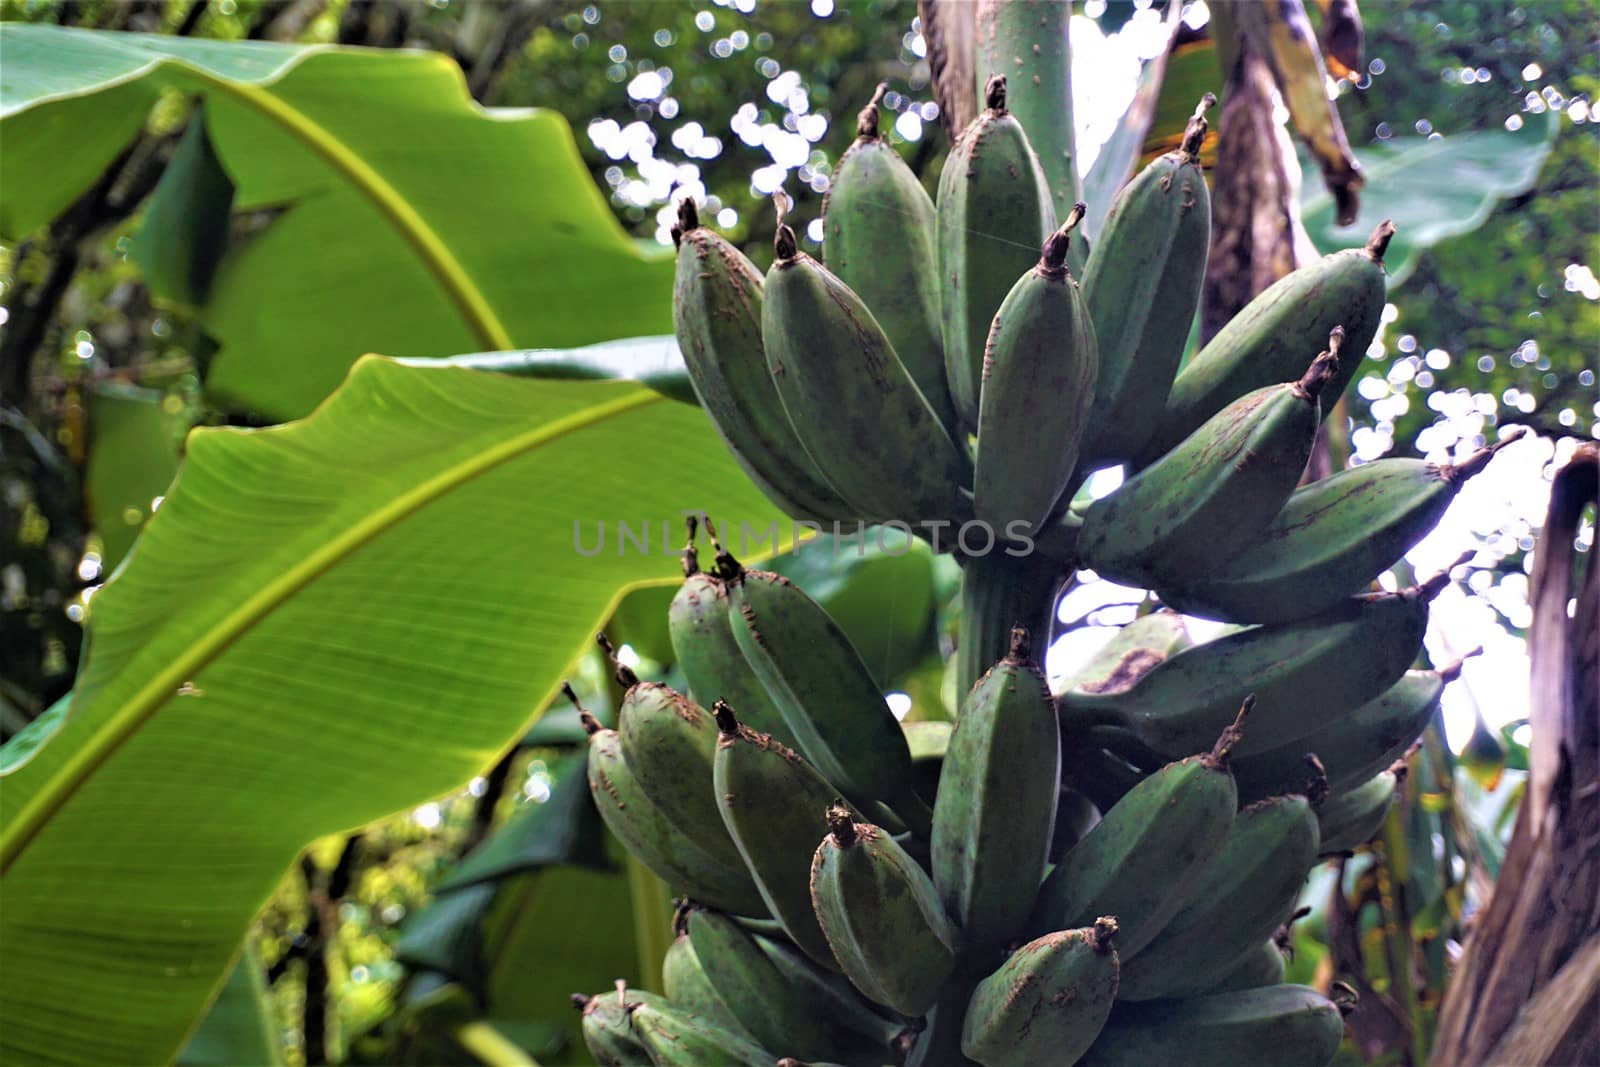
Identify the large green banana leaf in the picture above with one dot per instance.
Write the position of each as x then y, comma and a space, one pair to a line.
416, 222
325, 622
1433, 190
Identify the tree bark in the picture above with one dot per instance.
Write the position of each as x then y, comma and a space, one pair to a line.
1527, 990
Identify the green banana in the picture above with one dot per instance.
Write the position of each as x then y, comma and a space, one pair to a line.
716, 314
1246, 892
996, 805
838, 998
1357, 745
1131, 653
675, 1038
1301, 672
608, 1027
1261, 966
843, 384
772, 802
881, 915
707, 651
875, 203
1139, 860
1264, 342
1036, 386
1332, 538
823, 690
668, 743
1031, 42
1278, 1024
1047, 1002
652, 838
1142, 288
1351, 819
686, 985
1213, 494
994, 209
803, 1018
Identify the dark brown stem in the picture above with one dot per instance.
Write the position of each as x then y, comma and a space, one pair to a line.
786, 247
1316, 787
994, 94
1378, 243
591, 725
867, 119
727, 721
1322, 368
1053, 257
1435, 585
1105, 929
842, 826
691, 554
1231, 736
620, 670
1458, 473
1194, 134
688, 214
1451, 672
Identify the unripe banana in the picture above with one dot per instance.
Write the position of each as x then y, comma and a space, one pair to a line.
1131, 653
608, 1028
716, 314
994, 210
843, 384
772, 802
1302, 674
1139, 860
1264, 342
1142, 288
1047, 1002
686, 985
675, 1038
801, 1017
1351, 819
823, 690
996, 807
1267, 1027
707, 652
653, 839
668, 743
874, 204
1036, 386
1357, 745
881, 915
1261, 966
1332, 538
1246, 892
1213, 494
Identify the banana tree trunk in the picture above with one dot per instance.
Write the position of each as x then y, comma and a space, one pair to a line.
1527, 990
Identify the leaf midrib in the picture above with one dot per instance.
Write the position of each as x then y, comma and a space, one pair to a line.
105, 742
430, 248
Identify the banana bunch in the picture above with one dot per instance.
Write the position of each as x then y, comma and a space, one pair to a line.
1094, 874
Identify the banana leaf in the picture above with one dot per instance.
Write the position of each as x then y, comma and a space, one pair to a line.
325, 622
408, 220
